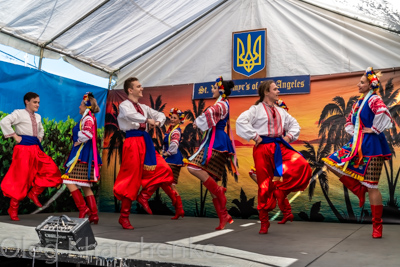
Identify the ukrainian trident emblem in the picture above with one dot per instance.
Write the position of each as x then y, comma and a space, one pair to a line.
249, 52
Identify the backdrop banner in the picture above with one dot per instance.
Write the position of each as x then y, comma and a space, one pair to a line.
321, 112
248, 87
60, 99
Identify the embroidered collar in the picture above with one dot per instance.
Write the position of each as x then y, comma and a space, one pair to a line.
30, 112
268, 105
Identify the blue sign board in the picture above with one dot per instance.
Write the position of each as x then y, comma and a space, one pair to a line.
248, 87
249, 52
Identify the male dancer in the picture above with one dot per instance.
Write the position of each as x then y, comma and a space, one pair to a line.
280, 168
141, 165
30, 168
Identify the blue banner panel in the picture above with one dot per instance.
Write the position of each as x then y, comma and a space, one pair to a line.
248, 87
59, 97
249, 52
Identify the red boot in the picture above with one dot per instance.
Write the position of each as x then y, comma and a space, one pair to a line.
170, 192
80, 203
263, 215
91, 202
284, 206
144, 196
377, 211
34, 193
216, 190
126, 204
356, 187
223, 215
179, 212
13, 209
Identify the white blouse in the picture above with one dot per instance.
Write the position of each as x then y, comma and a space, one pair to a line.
212, 115
382, 120
86, 133
257, 120
24, 122
130, 119
174, 145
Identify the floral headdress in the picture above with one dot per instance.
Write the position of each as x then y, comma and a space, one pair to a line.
282, 104
220, 86
372, 78
178, 112
87, 100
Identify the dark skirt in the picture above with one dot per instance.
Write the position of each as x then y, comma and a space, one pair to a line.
175, 170
80, 173
216, 165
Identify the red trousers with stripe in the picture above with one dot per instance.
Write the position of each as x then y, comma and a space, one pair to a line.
30, 166
132, 175
296, 173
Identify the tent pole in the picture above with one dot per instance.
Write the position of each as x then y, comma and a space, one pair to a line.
109, 80
41, 58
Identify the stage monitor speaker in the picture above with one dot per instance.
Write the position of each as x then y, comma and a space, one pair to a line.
70, 233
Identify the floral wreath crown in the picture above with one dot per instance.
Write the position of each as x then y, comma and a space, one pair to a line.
178, 112
86, 99
372, 78
282, 104
220, 86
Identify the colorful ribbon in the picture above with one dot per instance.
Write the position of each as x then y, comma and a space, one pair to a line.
357, 137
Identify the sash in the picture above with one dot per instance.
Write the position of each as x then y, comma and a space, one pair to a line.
150, 161
278, 154
28, 140
357, 137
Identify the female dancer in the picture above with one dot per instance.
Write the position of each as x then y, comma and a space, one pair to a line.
359, 162
208, 162
280, 168
174, 158
79, 173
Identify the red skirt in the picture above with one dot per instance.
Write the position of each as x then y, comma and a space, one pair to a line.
296, 173
132, 175
30, 166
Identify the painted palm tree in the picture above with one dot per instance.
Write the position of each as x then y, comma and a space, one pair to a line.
331, 123
115, 145
244, 207
191, 137
332, 120
314, 159
389, 96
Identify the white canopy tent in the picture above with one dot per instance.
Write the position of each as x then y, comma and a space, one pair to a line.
179, 41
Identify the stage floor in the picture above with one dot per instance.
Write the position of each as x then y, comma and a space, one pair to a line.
159, 241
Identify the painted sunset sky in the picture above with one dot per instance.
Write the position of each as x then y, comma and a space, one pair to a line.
305, 108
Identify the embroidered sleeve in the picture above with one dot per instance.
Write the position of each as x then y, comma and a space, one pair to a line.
40, 129
128, 112
244, 125
292, 127
155, 115
174, 145
349, 127
87, 130
382, 120
212, 116
7, 122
